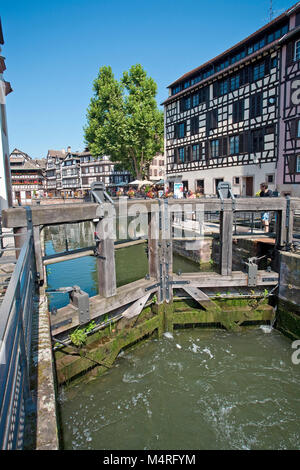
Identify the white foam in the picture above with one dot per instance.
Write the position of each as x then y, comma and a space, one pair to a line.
206, 350
266, 329
168, 335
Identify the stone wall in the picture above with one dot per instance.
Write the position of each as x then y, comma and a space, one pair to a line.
207, 251
288, 312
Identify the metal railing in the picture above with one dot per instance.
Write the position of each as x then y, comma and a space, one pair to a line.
15, 339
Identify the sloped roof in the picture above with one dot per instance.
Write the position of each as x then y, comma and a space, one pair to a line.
236, 46
56, 153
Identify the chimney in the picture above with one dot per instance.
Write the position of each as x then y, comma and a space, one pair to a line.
69, 149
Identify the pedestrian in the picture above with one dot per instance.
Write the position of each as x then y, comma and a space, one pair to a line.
265, 192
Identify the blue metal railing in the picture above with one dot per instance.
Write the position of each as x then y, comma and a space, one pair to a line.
15, 339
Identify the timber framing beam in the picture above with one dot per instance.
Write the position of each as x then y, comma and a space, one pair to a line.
70, 213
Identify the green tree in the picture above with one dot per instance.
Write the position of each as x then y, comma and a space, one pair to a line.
123, 120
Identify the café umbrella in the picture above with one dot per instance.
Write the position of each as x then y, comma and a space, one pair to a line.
140, 183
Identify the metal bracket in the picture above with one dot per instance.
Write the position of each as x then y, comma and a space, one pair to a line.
269, 279
178, 283
60, 324
158, 284
79, 300
101, 257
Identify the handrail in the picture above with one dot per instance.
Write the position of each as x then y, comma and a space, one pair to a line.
15, 337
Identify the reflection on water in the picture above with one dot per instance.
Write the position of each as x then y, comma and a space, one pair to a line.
131, 262
203, 389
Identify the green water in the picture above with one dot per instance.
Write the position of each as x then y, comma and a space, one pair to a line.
203, 389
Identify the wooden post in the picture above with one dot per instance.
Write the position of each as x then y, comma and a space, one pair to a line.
167, 251
21, 233
153, 244
106, 265
38, 252
226, 226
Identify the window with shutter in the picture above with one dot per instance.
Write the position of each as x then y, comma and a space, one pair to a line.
194, 125
207, 151
257, 141
292, 164
255, 105
238, 111
297, 51
216, 90
290, 53
293, 128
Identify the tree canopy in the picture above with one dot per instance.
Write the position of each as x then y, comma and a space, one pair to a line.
123, 120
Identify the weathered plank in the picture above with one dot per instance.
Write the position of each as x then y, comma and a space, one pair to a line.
201, 298
236, 279
68, 213
226, 228
38, 252
107, 283
136, 308
101, 305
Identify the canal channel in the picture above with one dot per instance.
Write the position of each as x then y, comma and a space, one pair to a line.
192, 389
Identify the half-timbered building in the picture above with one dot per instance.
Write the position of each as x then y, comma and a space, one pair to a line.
222, 118
53, 172
288, 174
27, 176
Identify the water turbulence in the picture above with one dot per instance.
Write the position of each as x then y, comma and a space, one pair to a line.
190, 389
206, 389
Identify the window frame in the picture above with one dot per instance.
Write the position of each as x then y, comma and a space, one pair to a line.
215, 148
298, 164
236, 145
297, 51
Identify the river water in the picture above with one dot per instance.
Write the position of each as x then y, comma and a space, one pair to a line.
199, 389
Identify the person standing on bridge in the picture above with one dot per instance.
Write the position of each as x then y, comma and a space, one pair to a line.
265, 192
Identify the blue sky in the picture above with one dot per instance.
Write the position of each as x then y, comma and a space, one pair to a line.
54, 50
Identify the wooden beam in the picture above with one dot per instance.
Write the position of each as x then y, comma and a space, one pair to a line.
106, 265
100, 305
69, 213
201, 298
135, 308
153, 244
226, 228
236, 279
38, 252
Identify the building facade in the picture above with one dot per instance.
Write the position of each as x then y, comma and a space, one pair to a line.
53, 175
27, 176
72, 173
222, 120
288, 174
157, 168
5, 178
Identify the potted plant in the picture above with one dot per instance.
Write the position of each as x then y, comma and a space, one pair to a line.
131, 193
119, 193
